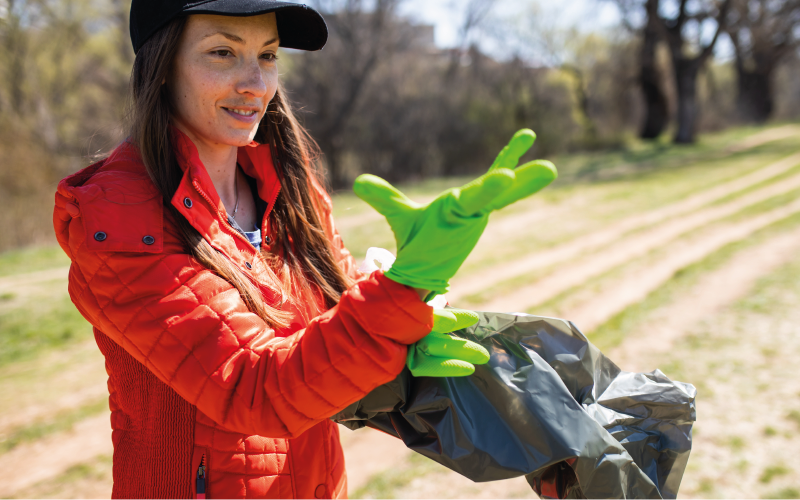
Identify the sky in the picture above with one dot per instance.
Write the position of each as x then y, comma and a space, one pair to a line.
589, 15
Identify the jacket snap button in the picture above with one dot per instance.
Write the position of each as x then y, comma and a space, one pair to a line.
249, 266
268, 240
187, 203
100, 236
148, 240
321, 491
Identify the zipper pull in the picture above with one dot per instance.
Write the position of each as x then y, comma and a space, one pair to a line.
201, 479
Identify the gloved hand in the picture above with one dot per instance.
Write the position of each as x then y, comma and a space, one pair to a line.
442, 355
437, 354
434, 240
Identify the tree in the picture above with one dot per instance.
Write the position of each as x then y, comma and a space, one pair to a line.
650, 78
763, 32
689, 54
683, 25
63, 78
656, 114
332, 81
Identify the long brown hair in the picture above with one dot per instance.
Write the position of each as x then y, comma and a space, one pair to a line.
306, 256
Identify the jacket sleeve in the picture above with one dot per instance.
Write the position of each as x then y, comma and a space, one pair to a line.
193, 331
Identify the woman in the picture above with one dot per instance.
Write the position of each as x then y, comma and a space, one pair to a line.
232, 319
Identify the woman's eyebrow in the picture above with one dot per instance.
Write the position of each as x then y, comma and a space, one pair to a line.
237, 39
229, 36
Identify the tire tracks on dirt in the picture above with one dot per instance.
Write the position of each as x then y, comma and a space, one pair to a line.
14, 282
31, 463
761, 138
616, 232
56, 382
580, 270
635, 286
710, 295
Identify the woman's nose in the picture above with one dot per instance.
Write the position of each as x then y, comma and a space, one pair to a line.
252, 79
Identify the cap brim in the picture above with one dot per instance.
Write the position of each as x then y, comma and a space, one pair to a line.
299, 26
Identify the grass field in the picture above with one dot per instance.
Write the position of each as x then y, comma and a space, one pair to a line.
685, 259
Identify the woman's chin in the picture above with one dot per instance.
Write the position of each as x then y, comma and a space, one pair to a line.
238, 138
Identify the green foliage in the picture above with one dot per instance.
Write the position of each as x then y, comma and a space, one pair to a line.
789, 492
772, 472
736, 443
32, 259
64, 67
39, 326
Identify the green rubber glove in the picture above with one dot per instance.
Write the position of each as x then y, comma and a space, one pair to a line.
442, 355
434, 240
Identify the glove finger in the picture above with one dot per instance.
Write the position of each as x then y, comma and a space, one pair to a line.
444, 321
519, 144
442, 367
382, 196
450, 320
530, 178
474, 198
464, 318
448, 346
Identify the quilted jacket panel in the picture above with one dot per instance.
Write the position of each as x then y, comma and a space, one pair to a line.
259, 398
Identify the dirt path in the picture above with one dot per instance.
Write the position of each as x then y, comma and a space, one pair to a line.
362, 460
55, 382
12, 283
709, 296
369, 452
30, 463
635, 286
493, 275
20, 288
580, 270
715, 291
761, 138
743, 360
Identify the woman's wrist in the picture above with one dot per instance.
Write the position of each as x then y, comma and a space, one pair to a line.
422, 293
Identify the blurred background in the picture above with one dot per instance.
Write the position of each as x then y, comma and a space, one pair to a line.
672, 236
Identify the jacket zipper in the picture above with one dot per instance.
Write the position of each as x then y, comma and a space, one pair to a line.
201, 478
219, 215
270, 207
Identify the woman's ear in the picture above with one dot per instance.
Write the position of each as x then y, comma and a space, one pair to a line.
163, 80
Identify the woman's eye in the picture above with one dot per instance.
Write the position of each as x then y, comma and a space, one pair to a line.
269, 56
222, 52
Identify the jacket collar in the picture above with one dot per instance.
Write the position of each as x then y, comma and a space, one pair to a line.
198, 200
255, 159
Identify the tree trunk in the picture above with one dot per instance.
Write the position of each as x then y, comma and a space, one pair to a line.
755, 94
655, 101
686, 86
332, 156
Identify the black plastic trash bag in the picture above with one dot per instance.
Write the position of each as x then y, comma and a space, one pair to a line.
548, 405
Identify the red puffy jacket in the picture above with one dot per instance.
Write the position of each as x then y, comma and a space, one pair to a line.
203, 393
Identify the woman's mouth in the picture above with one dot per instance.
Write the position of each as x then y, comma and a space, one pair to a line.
245, 115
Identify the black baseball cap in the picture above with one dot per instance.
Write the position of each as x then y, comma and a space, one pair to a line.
299, 26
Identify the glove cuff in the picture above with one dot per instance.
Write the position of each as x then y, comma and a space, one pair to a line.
437, 287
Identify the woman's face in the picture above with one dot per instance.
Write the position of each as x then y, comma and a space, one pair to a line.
223, 77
